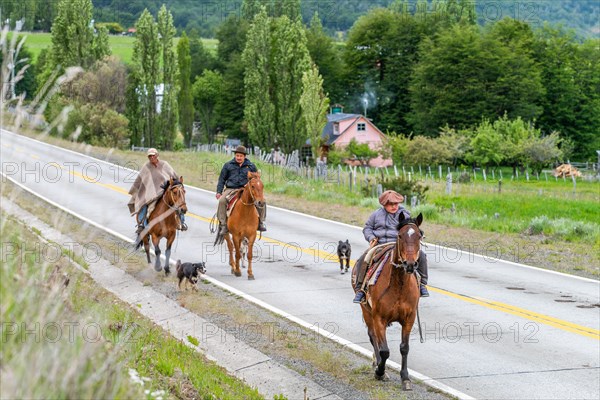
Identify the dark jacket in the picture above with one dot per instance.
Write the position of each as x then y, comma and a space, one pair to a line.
235, 176
383, 225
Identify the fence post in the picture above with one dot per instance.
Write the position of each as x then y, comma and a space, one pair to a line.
449, 183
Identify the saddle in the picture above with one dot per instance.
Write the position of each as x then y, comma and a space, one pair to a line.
232, 198
375, 259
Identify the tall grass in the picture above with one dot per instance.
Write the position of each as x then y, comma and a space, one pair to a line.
74, 340
48, 351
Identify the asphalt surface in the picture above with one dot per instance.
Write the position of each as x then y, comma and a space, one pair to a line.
493, 329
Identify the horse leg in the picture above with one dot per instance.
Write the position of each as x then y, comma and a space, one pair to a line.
146, 241
231, 250
238, 256
155, 242
404, 347
249, 247
369, 322
382, 352
347, 264
170, 240
341, 266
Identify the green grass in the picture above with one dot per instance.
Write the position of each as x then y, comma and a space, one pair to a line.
105, 349
121, 46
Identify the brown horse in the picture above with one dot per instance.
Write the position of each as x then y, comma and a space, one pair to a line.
395, 298
163, 221
243, 223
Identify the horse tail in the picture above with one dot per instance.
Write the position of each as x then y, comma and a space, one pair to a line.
219, 239
139, 241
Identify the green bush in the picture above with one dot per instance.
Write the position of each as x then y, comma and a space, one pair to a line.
539, 225
405, 187
429, 211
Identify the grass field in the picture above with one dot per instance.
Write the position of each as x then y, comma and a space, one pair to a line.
121, 46
48, 351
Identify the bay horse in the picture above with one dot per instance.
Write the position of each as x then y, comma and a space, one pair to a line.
395, 297
163, 221
243, 224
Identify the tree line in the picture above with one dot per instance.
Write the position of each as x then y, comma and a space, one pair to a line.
416, 72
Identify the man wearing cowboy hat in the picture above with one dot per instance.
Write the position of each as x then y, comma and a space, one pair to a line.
382, 227
147, 189
234, 175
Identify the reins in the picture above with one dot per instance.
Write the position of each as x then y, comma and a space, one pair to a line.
170, 191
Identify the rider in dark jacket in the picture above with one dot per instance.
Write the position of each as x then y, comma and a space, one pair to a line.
234, 175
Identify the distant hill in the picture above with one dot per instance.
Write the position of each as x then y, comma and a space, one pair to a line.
340, 15
337, 15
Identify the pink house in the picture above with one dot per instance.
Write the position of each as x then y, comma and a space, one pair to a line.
342, 128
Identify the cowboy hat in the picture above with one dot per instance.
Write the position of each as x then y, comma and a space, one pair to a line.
240, 149
390, 196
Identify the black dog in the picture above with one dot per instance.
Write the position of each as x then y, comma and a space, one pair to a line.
343, 251
189, 272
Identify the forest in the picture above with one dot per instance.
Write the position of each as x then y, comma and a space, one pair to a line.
507, 92
337, 16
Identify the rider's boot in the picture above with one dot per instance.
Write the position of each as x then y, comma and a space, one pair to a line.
424, 291
262, 227
182, 225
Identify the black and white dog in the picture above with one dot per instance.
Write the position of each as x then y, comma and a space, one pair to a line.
343, 251
190, 272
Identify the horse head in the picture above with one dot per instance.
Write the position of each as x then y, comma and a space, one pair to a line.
256, 189
176, 194
408, 244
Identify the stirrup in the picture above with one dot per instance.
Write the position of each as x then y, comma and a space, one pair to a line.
223, 229
139, 229
183, 227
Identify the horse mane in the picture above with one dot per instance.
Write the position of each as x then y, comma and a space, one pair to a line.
167, 183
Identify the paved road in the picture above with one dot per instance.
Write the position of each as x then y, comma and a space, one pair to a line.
493, 329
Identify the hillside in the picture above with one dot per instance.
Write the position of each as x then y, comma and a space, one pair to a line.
339, 15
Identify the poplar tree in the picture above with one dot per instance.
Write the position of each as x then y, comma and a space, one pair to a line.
259, 109
186, 101
146, 60
274, 8
74, 41
168, 110
290, 60
314, 105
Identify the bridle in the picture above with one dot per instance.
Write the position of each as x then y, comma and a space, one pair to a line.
397, 260
175, 207
252, 196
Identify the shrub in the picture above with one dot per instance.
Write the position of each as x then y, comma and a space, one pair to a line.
429, 211
399, 184
539, 225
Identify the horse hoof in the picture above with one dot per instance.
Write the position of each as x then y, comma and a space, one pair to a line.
167, 272
384, 378
157, 268
250, 277
407, 385
238, 273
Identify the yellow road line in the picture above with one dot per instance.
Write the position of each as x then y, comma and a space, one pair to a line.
527, 314
507, 308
